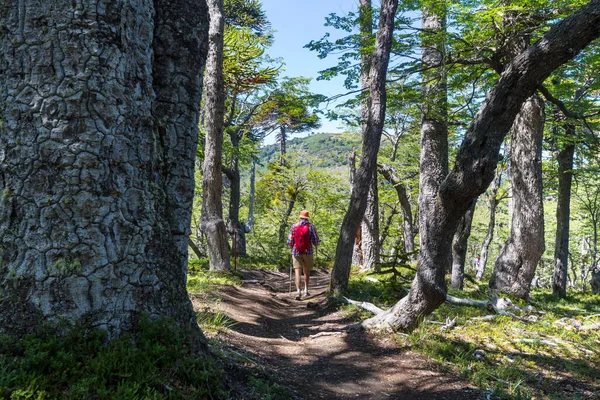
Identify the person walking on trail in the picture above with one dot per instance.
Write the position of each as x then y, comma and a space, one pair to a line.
303, 236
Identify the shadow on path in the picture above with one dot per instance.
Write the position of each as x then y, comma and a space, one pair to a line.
309, 352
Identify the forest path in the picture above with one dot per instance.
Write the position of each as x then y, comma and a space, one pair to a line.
280, 332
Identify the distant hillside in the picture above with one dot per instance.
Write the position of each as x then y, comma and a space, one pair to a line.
327, 149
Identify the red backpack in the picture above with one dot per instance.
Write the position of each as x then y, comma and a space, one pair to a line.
302, 238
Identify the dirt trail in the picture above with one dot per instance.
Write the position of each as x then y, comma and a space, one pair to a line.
289, 336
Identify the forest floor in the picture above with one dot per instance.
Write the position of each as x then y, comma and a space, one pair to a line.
303, 346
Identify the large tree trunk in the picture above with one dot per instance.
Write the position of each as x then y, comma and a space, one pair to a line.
97, 147
563, 210
459, 248
492, 206
370, 229
477, 157
515, 266
370, 219
408, 233
214, 109
370, 146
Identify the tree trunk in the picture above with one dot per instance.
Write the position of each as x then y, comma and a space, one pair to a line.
370, 146
477, 157
283, 225
459, 248
515, 266
357, 252
282, 145
370, 229
97, 148
407, 224
492, 206
195, 249
214, 110
236, 229
563, 209
250, 220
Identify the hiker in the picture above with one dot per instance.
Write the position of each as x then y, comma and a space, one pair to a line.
303, 236
477, 263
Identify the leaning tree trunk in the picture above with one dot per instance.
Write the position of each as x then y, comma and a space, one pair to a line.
408, 233
283, 225
370, 229
99, 109
370, 146
515, 266
492, 206
477, 158
561, 247
214, 110
459, 248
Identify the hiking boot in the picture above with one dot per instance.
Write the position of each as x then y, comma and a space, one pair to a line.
298, 295
305, 292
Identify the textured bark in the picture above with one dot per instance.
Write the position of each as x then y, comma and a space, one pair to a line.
408, 232
357, 252
99, 107
478, 155
563, 211
492, 206
371, 248
236, 228
214, 110
370, 146
515, 266
459, 248
595, 281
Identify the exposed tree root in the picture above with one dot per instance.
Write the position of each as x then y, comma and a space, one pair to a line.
577, 325
367, 306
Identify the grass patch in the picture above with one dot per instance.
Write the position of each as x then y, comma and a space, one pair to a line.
213, 320
515, 359
207, 282
155, 363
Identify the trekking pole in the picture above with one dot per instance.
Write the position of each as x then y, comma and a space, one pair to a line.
316, 266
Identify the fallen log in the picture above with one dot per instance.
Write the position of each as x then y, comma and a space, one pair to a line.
365, 305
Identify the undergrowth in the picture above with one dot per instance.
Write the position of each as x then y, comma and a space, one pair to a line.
530, 358
157, 362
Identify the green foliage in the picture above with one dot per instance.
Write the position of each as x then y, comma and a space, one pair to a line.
201, 280
213, 320
243, 65
245, 14
290, 106
154, 363
300, 186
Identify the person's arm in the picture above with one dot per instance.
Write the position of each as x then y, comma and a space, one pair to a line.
314, 238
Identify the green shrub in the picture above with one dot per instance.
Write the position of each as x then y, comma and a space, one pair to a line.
157, 362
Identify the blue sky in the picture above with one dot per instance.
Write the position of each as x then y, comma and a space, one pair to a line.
296, 23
